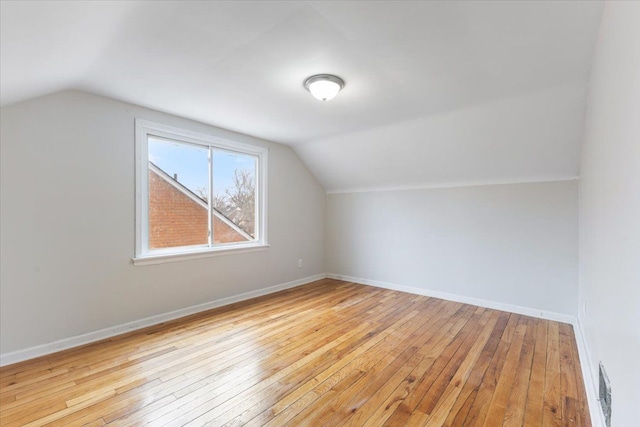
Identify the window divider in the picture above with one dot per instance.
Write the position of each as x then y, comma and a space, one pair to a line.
143, 254
211, 227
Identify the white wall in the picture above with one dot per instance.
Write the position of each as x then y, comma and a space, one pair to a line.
67, 220
530, 137
610, 210
514, 244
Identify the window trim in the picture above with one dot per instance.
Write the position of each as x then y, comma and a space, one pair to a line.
146, 128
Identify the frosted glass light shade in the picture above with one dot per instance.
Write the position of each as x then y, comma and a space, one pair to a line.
324, 86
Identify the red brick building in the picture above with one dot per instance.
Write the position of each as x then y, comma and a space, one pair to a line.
178, 216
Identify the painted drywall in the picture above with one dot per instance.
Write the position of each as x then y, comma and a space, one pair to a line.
67, 219
241, 65
530, 137
513, 244
609, 210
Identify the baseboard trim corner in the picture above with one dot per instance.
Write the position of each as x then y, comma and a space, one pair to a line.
78, 340
586, 364
589, 375
597, 418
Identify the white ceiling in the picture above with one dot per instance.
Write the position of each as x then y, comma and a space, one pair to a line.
436, 92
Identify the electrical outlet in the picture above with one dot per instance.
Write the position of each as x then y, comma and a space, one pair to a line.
300, 263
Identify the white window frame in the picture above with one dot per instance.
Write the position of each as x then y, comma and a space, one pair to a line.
143, 255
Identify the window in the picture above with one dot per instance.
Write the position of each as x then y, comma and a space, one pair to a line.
196, 195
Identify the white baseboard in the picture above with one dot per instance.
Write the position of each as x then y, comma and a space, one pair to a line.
66, 343
597, 418
590, 380
589, 375
527, 311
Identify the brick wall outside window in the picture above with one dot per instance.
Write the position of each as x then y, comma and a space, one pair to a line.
177, 220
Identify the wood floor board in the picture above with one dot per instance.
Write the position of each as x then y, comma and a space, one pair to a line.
109, 377
195, 392
552, 408
481, 403
463, 354
535, 397
377, 409
183, 328
438, 357
443, 406
346, 409
463, 404
329, 353
199, 403
301, 381
498, 404
362, 358
514, 411
207, 410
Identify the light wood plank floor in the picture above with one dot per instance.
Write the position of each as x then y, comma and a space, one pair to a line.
328, 353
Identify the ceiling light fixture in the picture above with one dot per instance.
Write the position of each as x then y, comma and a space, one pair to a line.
324, 86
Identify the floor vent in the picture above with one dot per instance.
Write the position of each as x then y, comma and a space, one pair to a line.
605, 395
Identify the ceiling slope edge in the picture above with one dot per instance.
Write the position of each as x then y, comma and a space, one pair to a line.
528, 138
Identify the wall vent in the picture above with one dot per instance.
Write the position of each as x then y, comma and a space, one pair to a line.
605, 395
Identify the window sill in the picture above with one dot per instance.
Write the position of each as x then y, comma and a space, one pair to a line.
209, 252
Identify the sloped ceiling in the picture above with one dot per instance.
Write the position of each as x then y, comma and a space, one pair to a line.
437, 93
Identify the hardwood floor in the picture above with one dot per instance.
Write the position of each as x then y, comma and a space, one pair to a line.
328, 353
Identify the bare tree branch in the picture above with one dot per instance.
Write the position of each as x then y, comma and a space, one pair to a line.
238, 203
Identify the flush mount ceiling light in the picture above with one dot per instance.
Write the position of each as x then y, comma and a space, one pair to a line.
324, 86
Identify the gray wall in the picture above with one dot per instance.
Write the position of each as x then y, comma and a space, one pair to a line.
67, 219
610, 210
514, 244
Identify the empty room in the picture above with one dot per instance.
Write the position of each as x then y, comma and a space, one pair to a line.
320, 213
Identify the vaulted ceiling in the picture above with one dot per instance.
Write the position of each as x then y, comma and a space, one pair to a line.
437, 93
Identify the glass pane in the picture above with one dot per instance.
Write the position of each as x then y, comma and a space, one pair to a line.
234, 197
178, 193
